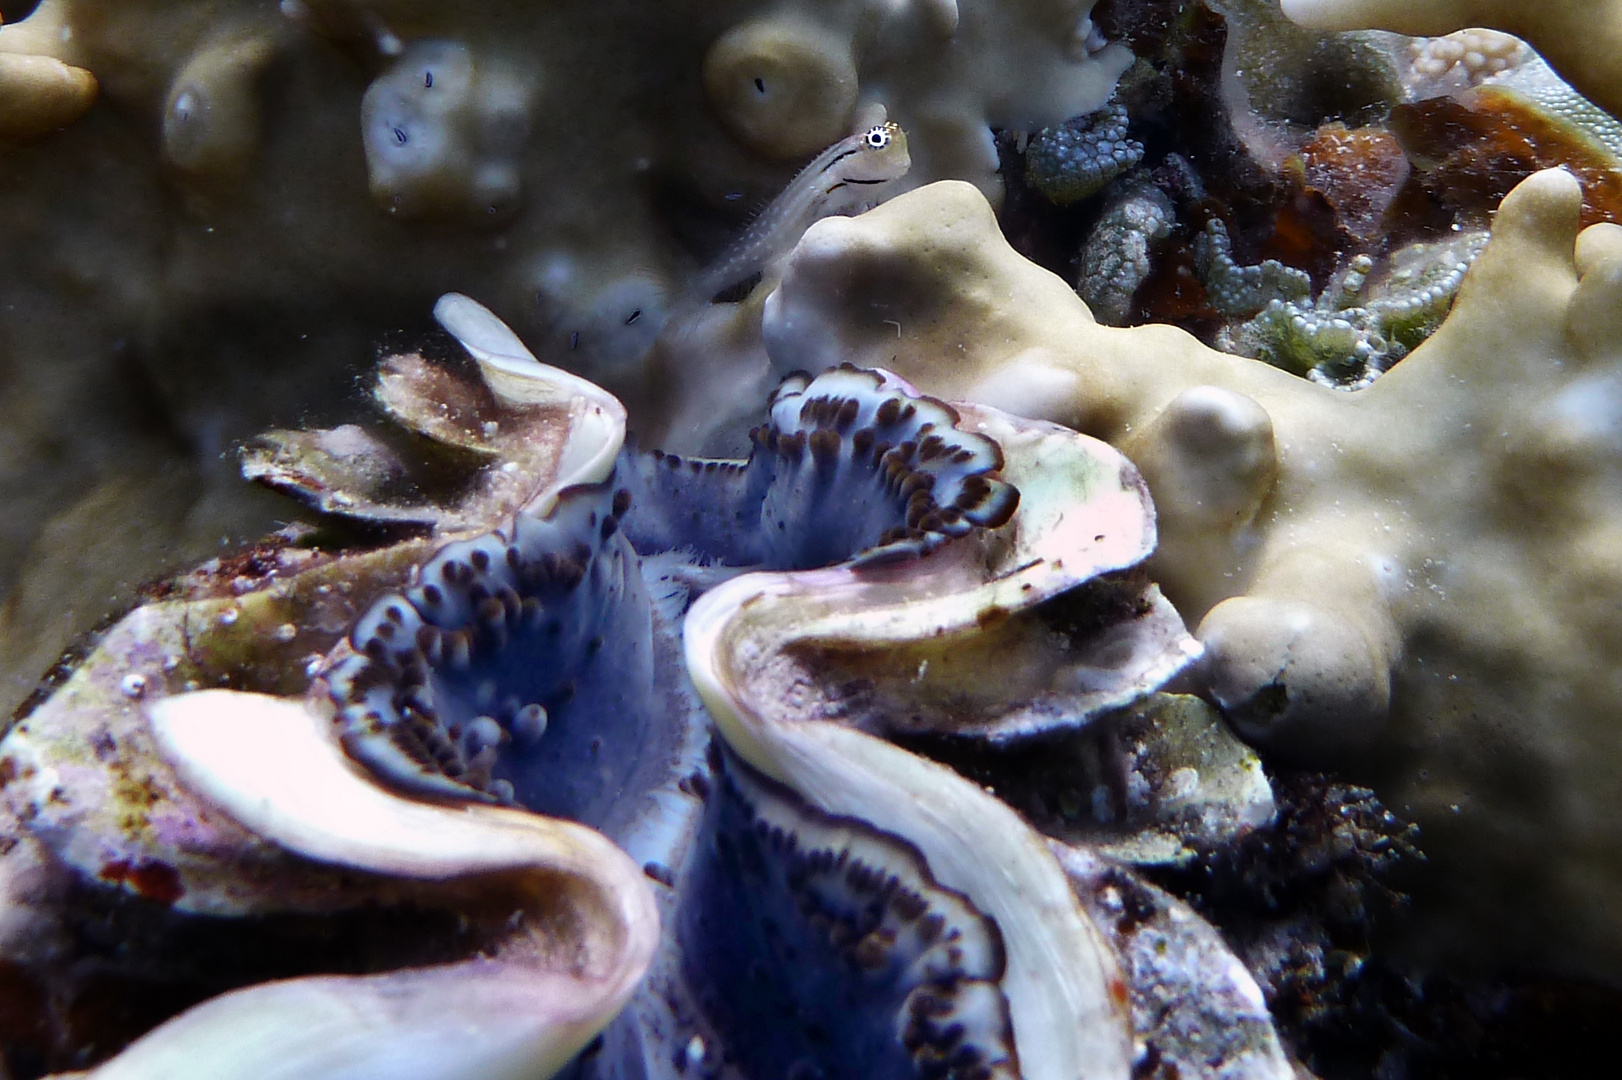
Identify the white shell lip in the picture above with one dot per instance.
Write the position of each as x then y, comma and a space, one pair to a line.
271, 764
596, 417
1066, 995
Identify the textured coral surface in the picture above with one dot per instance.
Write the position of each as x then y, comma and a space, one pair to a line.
247, 196
1415, 581
1581, 38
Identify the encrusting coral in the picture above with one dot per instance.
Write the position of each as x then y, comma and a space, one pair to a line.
1118, 254
1353, 331
489, 119
1415, 582
246, 195
1581, 38
1076, 159
41, 95
1243, 290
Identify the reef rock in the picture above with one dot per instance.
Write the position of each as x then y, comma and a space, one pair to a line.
1415, 583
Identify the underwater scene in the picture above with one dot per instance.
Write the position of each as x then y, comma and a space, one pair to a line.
810, 539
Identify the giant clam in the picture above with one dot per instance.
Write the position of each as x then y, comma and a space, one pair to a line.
449, 730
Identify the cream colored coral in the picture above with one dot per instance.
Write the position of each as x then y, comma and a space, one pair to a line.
1417, 583
549, 128
265, 190
785, 86
444, 132
1474, 54
39, 94
1580, 38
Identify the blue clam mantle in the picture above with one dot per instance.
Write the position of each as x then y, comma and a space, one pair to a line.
862, 903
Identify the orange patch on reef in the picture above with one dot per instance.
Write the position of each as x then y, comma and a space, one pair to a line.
153, 880
1470, 150
1173, 294
1357, 170
1307, 234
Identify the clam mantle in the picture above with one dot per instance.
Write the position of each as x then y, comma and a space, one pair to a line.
920, 924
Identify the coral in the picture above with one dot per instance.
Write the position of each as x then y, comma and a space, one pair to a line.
1243, 290
1412, 582
1464, 58
1079, 157
465, 112
1473, 146
1356, 329
444, 133
259, 192
1359, 171
41, 94
1116, 258
1580, 38
223, 206
1278, 78
785, 86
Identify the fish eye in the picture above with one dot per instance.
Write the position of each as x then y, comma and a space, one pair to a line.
877, 138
